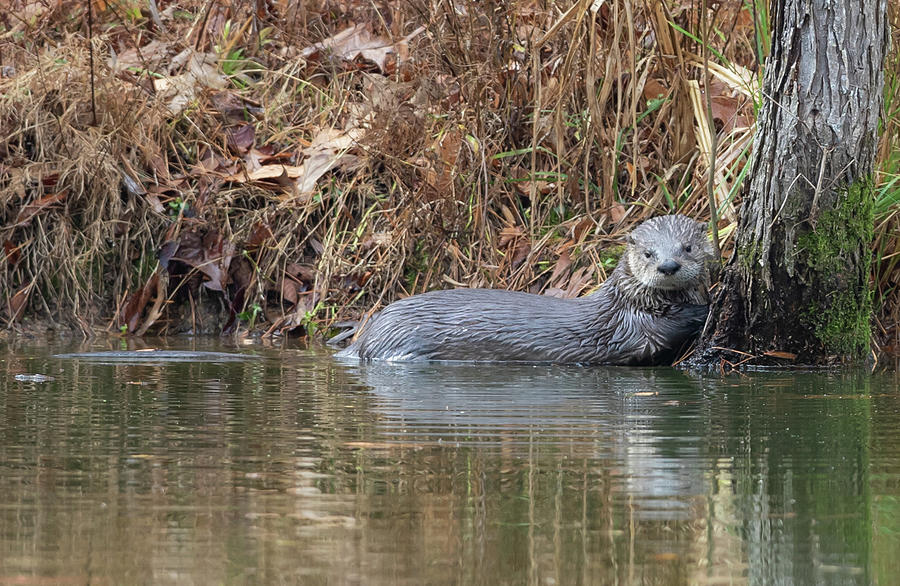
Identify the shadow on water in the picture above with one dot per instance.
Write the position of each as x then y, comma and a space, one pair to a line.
294, 468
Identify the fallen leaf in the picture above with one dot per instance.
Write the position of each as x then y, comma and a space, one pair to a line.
153, 198
210, 254
325, 153
16, 304
166, 252
150, 57
358, 42
267, 172
509, 233
289, 290
134, 307
579, 281
617, 212
581, 228
562, 265
731, 112
654, 89
11, 252
260, 234
241, 138
232, 106
30, 210
182, 90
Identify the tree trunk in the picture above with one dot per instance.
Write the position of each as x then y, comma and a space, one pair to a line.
798, 281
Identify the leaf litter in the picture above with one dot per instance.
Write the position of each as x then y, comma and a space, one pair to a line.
250, 171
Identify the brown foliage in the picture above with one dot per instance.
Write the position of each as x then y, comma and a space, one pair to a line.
317, 158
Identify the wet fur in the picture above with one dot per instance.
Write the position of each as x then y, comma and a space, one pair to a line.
638, 316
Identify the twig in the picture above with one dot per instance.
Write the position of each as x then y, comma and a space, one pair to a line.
90, 15
713, 139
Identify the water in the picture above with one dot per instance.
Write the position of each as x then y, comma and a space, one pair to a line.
292, 468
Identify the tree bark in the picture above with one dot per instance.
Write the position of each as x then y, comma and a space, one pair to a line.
798, 281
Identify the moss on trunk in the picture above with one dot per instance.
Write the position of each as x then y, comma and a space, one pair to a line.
842, 320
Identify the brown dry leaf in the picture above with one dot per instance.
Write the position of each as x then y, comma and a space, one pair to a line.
289, 290
211, 255
581, 229
267, 155
150, 56
579, 281
219, 254
440, 172
17, 303
555, 292
267, 172
166, 253
11, 252
542, 187
181, 90
31, 12
358, 41
304, 273
327, 150
562, 265
243, 274
153, 197
731, 112
29, 211
233, 106
520, 253
510, 233
260, 234
617, 212
17, 182
134, 308
240, 139
159, 302
654, 89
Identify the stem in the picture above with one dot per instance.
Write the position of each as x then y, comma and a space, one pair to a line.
713, 139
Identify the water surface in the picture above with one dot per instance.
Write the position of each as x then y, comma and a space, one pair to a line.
294, 468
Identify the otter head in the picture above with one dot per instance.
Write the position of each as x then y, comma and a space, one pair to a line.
669, 253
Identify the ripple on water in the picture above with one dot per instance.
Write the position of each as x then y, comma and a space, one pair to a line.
294, 468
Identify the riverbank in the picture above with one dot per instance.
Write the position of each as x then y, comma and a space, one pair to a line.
224, 169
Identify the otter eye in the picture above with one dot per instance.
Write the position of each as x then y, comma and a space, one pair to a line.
647, 254
687, 247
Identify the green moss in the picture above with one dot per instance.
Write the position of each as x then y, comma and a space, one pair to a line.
748, 256
840, 315
609, 257
843, 325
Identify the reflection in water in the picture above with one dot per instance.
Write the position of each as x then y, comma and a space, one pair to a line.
296, 469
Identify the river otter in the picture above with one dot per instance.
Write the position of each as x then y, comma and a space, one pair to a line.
653, 302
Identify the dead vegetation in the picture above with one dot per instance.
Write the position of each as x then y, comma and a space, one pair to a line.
276, 166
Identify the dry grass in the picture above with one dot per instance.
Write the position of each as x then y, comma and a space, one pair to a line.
501, 144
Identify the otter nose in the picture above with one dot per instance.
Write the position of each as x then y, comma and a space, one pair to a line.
670, 267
